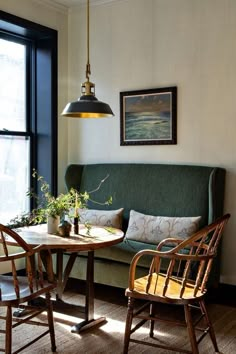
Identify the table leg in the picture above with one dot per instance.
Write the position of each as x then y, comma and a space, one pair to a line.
89, 300
63, 276
59, 272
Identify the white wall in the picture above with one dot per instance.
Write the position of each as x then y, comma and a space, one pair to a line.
140, 44
55, 17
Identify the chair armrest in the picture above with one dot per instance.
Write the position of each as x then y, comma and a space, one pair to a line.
136, 258
168, 241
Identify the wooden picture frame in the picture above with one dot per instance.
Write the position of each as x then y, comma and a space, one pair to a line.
148, 117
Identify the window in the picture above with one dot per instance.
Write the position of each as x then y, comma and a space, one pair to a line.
15, 140
28, 117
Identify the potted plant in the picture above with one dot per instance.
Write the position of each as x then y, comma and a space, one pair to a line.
52, 209
48, 207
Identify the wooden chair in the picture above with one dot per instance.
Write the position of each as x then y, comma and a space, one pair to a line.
189, 263
18, 291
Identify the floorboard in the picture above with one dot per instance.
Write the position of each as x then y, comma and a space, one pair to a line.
108, 339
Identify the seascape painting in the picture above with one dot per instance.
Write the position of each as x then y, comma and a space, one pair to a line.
148, 117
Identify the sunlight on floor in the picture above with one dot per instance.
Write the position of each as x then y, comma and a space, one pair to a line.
112, 326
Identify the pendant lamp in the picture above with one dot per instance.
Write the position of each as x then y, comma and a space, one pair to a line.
87, 105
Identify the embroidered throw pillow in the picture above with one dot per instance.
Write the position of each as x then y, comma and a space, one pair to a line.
112, 218
153, 229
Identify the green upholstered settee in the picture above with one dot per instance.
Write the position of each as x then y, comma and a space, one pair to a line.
153, 189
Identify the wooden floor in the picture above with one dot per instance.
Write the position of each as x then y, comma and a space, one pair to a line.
108, 338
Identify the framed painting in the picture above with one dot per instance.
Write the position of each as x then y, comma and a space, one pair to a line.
148, 117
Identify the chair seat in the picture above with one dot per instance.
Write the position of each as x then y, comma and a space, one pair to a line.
157, 284
9, 294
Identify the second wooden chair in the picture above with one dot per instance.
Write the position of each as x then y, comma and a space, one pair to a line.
17, 291
189, 264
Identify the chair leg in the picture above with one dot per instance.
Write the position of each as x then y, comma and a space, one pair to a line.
209, 323
191, 330
151, 332
128, 324
8, 338
50, 321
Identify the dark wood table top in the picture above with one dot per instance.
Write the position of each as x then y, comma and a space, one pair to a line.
98, 237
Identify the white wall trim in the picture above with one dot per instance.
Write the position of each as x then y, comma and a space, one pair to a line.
52, 5
101, 2
78, 3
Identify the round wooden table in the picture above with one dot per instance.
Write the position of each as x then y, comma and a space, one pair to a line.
97, 237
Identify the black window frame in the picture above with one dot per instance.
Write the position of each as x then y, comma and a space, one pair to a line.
42, 87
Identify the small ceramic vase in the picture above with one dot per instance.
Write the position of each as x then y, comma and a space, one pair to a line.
64, 228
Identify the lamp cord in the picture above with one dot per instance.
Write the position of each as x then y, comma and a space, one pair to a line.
88, 70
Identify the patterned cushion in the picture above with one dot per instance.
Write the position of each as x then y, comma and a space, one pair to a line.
153, 229
112, 218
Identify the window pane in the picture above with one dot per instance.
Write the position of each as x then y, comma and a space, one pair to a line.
13, 86
14, 177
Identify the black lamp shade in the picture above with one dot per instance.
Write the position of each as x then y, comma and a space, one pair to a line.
87, 106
